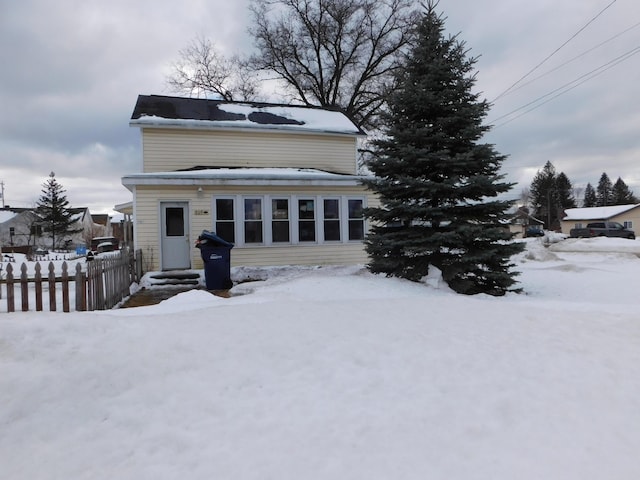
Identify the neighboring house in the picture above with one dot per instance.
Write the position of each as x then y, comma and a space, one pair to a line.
521, 219
627, 215
278, 181
102, 225
19, 227
23, 227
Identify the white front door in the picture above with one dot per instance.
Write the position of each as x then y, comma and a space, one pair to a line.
176, 246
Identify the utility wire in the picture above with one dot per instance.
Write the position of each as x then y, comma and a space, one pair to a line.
567, 87
548, 72
553, 53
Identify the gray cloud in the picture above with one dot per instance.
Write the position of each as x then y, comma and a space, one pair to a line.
72, 71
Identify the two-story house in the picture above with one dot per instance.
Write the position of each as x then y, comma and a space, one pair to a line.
280, 182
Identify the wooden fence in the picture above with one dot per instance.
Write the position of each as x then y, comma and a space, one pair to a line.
103, 284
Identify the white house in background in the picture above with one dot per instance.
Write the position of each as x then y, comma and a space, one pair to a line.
627, 215
278, 181
22, 227
18, 227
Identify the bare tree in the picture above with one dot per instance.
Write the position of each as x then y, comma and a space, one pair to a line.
334, 53
202, 69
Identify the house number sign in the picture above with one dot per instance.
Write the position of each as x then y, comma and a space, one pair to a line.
201, 212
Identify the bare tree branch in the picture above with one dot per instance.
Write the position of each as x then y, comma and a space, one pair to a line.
202, 70
334, 53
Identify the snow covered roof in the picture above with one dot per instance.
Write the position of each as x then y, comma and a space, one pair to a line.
243, 176
6, 215
596, 213
162, 111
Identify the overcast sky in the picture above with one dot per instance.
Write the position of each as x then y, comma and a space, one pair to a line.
72, 70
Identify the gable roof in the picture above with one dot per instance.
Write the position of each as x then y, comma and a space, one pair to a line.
597, 213
162, 111
100, 218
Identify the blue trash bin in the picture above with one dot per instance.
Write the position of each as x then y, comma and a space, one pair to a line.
216, 255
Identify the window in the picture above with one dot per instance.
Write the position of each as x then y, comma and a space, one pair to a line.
332, 220
628, 224
253, 220
224, 223
356, 220
578, 225
306, 221
174, 220
288, 220
280, 220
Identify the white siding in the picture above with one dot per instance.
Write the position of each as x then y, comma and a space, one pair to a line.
169, 150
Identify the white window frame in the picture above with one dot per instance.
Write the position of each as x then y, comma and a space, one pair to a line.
347, 218
269, 213
262, 218
341, 202
267, 218
214, 209
296, 227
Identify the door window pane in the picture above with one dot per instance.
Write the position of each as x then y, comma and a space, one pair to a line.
280, 220
174, 221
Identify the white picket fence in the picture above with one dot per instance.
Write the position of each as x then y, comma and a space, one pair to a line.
101, 285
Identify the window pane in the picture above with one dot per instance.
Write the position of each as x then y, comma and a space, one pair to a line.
253, 232
252, 209
280, 209
306, 223
306, 209
355, 208
356, 222
307, 231
280, 231
224, 208
356, 230
174, 221
331, 209
226, 231
331, 230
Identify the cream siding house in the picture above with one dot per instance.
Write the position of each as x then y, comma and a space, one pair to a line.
280, 182
626, 215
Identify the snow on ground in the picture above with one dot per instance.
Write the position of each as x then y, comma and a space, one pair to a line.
336, 373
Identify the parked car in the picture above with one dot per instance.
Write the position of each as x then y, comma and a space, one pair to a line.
534, 231
602, 229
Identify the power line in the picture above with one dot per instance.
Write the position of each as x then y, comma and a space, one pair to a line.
571, 60
553, 53
567, 87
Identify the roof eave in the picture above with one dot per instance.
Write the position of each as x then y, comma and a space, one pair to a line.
130, 181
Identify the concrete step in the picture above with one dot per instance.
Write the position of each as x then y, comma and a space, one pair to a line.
177, 277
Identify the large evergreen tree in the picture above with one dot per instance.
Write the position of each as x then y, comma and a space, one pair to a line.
551, 194
436, 183
621, 194
564, 188
544, 195
590, 197
604, 191
53, 209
